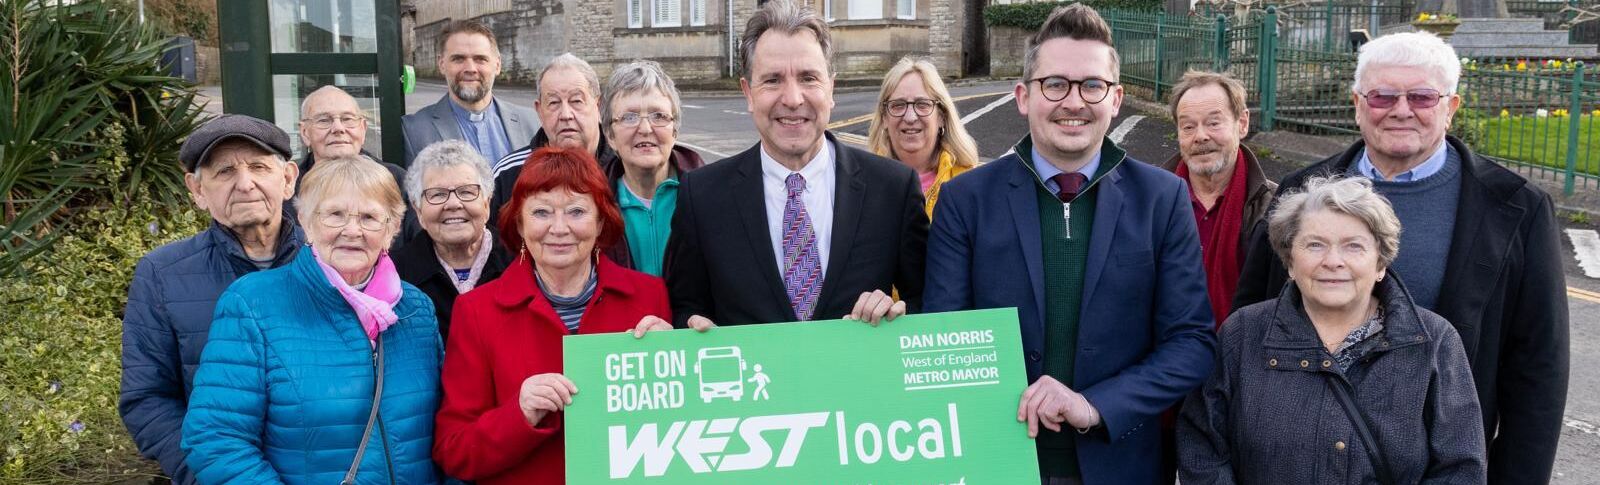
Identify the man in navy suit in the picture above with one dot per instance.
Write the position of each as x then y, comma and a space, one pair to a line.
800, 226
1096, 250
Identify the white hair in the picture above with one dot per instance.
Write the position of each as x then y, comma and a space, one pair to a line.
443, 154
1411, 49
568, 61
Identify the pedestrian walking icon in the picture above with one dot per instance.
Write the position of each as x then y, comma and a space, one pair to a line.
760, 379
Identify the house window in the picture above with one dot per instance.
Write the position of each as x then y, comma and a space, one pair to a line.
865, 9
697, 12
667, 13
827, 10
906, 9
635, 14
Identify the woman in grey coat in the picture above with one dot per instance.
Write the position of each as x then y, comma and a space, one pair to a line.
1272, 411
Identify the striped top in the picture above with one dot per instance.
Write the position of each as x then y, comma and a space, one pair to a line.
570, 309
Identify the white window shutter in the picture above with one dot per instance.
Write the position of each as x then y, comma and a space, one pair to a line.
667, 13
697, 12
635, 14
906, 9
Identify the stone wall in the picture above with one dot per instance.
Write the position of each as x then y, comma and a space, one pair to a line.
696, 53
589, 33
946, 35
529, 36
1007, 46
868, 48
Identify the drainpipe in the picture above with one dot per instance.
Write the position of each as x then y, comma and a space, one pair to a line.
732, 42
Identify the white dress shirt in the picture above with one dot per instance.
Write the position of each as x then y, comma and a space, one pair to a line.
818, 199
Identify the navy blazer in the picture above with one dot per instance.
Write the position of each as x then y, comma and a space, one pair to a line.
1144, 335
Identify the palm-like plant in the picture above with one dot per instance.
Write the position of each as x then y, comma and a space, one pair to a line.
87, 117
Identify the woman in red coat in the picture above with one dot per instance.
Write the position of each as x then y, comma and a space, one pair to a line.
500, 421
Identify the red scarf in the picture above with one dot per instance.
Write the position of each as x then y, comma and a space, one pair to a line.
1221, 253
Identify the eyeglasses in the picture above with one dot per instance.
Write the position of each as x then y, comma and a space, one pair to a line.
1091, 90
339, 219
921, 106
326, 121
464, 193
1417, 98
631, 119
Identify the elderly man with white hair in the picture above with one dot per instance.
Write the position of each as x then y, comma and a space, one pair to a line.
568, 105
1481, 246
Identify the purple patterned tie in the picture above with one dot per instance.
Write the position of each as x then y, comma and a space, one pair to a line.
802, 266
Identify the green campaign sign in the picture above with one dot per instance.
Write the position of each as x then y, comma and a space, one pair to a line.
925, 399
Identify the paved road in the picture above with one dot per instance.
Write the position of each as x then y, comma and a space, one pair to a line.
718, 125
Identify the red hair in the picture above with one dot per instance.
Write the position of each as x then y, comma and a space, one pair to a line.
549, 169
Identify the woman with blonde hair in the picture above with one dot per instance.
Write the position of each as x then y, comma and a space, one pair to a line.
917, 124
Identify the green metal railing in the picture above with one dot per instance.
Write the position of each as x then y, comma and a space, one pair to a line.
1298, 70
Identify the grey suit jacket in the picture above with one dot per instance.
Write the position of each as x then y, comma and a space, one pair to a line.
435, 123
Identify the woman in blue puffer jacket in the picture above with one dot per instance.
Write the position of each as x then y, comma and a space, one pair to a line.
287, 382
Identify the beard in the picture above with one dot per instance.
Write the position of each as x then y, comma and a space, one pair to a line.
471, 94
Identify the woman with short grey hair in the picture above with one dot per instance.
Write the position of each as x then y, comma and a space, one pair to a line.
450, 186
640, 114
1343, 378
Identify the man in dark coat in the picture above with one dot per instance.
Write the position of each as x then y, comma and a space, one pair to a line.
237, 169
1501, 283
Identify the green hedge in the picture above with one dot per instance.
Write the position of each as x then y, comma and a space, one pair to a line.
60, 347
1029, 16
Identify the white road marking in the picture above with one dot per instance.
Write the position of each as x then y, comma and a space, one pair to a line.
702, 149
690, 106
1581, 426
1586, 246
987, 108
1126, 127
732, 112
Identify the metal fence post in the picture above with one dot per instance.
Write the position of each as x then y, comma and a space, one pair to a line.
1267, 67
1574, 118
1160, 74
1219, 61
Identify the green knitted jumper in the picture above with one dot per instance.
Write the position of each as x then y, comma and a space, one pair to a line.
1064, 261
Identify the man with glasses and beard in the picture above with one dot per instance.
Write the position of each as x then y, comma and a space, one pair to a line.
1481, 247
469, 60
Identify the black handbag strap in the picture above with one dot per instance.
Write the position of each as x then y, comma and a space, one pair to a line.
1363, 425
372, 417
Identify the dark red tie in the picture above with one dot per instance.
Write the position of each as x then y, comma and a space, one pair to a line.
1070, 184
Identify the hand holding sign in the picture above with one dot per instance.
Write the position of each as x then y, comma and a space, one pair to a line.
650, 323
1049, 403
544, 394
875, 306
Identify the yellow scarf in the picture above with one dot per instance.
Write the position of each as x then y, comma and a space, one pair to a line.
946, 171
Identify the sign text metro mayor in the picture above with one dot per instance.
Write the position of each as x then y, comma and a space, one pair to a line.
808, 400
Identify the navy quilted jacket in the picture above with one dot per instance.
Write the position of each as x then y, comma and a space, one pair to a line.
164, 326
285, 386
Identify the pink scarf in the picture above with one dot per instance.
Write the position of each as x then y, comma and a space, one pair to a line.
375, 304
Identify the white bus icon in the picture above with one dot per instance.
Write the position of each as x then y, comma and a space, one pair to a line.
721, 371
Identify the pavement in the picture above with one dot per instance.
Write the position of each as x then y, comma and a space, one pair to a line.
718, 125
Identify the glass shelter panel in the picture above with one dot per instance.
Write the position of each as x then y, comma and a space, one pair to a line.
324, 27
289, 91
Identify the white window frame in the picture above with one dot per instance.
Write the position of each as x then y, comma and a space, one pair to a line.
827, 10
697, 12
864, 9
905, 9
673, 10
635, 13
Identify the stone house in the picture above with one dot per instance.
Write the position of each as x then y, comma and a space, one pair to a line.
694, 40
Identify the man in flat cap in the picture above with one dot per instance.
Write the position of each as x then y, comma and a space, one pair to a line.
237, 169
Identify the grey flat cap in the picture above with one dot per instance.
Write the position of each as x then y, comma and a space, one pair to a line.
198, 147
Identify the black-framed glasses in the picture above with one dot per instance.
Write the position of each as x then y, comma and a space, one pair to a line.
1090, 90
464, 193
1417, 98
339, 219
923, 107
656, 119
324, 122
